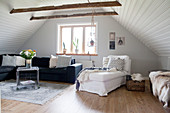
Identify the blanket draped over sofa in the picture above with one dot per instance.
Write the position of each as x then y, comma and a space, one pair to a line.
161, 86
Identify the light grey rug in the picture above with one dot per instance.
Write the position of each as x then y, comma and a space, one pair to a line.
46, 92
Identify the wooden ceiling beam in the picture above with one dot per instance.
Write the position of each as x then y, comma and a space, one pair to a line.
74, 15
68, 6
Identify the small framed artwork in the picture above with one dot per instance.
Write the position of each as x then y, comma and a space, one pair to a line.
112, 36
120, 41
112, 45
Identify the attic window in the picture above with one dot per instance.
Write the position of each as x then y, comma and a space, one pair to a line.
82, 36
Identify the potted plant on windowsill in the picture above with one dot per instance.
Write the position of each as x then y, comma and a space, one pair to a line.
75, 43
64, 48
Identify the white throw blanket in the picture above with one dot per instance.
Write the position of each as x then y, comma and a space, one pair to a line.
137, 77
161, 86
84, 75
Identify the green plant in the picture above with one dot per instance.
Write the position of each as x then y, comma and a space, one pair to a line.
64, 46
76, 43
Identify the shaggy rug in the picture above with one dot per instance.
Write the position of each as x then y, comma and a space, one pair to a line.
46, 92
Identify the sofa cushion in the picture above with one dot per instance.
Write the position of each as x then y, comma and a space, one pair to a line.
20, 61
9, 61
0, 60
41, 61
73, 61
63, 61
6, 69
53, 61
53, 70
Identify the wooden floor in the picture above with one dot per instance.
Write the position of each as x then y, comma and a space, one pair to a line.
70, 101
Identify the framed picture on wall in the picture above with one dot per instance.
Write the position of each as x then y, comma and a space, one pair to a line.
120, 41
112, 36
112, 45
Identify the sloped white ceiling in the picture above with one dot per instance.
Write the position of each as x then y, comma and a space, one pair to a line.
15, 29
149, 21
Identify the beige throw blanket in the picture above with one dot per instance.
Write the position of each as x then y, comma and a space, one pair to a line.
161, 86
84, 76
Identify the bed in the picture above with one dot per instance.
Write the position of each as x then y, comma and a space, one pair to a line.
102, 82
160, 82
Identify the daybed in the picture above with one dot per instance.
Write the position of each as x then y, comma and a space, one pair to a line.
160, 82
102, 82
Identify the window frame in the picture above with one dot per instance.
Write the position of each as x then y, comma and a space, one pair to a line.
59, 52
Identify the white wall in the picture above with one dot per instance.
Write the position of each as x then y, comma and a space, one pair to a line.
164, 62
143, 60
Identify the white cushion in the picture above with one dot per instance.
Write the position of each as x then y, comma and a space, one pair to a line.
63, 61
116, 63
53, 61
106, 76
20, 61
9, 61
127, 61
105, 62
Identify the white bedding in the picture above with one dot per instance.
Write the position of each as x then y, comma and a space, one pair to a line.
105, 76
104, 82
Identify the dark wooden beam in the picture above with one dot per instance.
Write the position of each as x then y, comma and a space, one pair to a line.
68, 6
74, 15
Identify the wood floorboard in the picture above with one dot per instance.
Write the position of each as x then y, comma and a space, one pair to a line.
72, 101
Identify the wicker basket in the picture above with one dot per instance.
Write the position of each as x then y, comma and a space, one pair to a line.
135, 85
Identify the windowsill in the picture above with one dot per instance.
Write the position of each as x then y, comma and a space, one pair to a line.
83, 54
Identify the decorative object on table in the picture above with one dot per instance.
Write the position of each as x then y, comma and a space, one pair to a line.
64, 48
28, 55
120, 41
134, 85
40, 96
76, 43
112, 36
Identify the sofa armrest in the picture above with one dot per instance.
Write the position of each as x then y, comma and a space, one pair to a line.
72, 72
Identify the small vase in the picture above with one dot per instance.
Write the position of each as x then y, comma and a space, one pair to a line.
76, 51
28, 63
64, 51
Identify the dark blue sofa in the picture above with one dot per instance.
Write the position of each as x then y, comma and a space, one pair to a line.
64, 74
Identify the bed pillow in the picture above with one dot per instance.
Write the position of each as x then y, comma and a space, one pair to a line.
105, 62
53, 61
116, 63
63, 61
9, 61
126, 61
20, 61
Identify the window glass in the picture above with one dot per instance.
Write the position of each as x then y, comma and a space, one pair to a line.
84, 34
66, 38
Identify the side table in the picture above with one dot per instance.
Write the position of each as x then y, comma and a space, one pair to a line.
28, 70
134, 85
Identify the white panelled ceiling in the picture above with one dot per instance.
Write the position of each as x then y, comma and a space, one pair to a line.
148, 20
